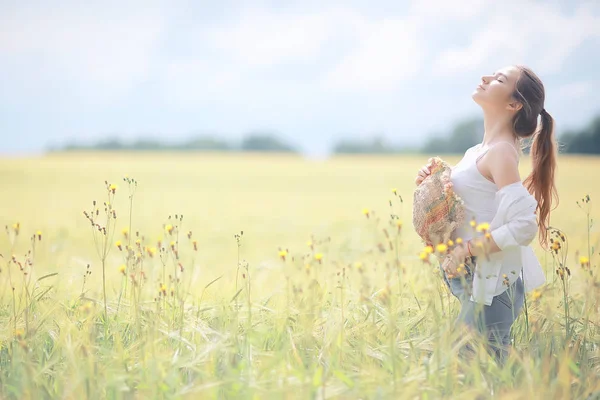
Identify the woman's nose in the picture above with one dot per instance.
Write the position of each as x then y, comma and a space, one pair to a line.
485, 79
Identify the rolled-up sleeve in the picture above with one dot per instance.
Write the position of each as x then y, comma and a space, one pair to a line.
519, 227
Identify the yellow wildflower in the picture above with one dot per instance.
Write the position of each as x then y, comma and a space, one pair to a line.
483, 227
151, 251
283, 254
366, 212
584, 261
125, 232
428, 249
536, 294
112, 188
395, 191
19, 333
423, 256
16, 228
122, 269
488, 235
118, 244
399, 224
450, 243
459, 240
309, 243
358, 265
39, 235
441, 248
384, 295
169, 229
319, 257
473, 223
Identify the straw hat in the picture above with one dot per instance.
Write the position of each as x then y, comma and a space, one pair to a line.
437, 210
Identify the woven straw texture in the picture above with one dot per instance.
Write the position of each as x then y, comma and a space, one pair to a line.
437, 210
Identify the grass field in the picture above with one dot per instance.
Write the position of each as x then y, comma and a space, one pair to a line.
313, 300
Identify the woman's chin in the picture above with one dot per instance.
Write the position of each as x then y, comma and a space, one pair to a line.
476, 96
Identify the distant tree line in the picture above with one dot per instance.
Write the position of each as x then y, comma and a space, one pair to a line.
259, 142
463, 135
376, 145
583, 141
468, 133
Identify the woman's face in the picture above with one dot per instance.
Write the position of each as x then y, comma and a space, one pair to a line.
496, 90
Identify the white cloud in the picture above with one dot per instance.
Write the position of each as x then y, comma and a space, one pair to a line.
575, 90
191, 83
262, 37
84, 48
344, 49
447, 10
538, 34
387, 53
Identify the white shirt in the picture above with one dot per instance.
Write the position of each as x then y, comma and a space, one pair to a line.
510, 212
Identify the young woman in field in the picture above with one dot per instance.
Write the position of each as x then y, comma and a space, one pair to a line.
489, 275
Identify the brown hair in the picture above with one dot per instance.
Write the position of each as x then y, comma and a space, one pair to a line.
529, 91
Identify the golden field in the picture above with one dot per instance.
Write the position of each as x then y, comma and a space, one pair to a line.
313, 300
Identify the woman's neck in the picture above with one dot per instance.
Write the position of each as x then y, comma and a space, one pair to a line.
497, 127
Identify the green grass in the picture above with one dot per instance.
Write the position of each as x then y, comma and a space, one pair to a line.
369, 320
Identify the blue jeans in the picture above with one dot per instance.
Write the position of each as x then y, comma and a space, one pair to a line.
494, 321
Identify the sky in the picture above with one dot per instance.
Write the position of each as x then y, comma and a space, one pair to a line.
310, 71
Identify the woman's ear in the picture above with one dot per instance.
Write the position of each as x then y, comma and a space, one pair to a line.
515, 106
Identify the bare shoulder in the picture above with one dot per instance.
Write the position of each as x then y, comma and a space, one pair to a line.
502, 162
503, 152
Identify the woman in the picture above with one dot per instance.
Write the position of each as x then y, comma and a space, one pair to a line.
489, 274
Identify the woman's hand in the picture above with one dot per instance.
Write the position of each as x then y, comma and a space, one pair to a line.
423, 173
454, 262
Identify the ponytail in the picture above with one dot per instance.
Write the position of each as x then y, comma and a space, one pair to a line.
540, 182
